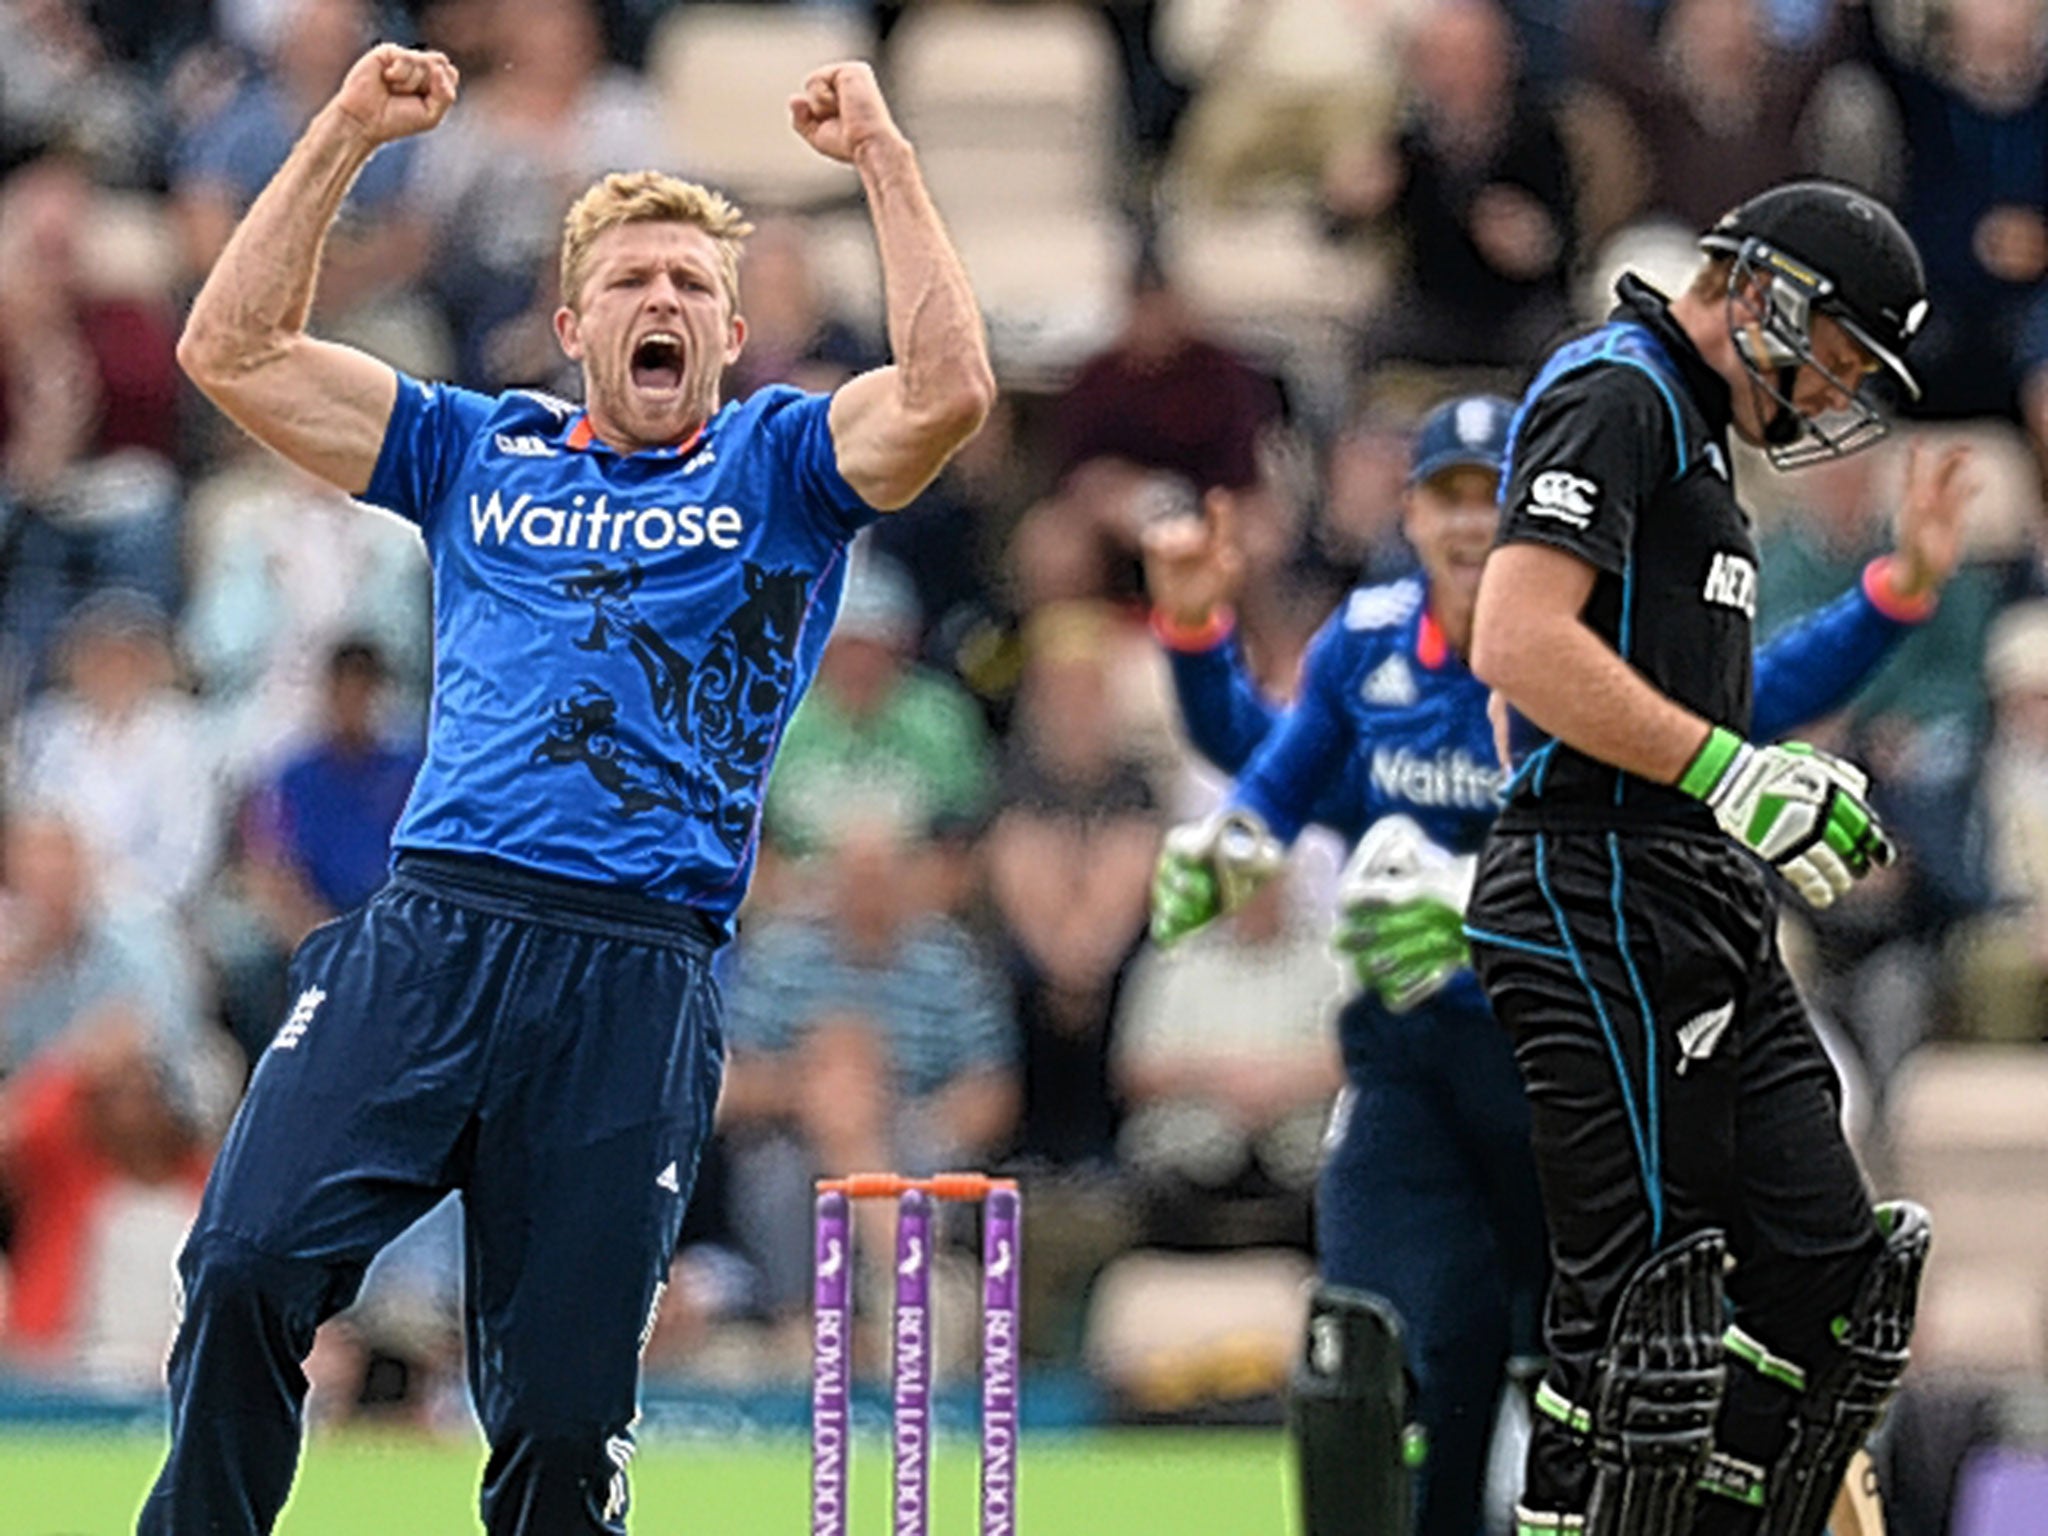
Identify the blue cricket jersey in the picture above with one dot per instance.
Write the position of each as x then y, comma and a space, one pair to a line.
618, 638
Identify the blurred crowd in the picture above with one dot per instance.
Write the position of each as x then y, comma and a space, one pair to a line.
212, 669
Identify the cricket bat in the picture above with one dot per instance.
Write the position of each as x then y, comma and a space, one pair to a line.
1858, 1510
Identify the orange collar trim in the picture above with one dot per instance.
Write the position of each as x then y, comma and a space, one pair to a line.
1431, 648
582, 435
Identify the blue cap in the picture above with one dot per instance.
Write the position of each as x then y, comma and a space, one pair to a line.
1471, 430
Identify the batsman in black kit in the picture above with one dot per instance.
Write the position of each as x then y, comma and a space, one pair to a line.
1623, 923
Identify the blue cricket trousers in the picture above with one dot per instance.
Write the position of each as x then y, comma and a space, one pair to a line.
1428, 1199
549, 1048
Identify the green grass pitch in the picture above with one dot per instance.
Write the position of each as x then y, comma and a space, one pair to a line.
1124, 1483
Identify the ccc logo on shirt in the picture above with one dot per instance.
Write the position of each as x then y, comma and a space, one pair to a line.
1563, 497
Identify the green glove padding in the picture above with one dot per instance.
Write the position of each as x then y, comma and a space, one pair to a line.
1406, 952
1401, 913
1210, 867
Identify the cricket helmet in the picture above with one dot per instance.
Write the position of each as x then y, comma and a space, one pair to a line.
1817, 247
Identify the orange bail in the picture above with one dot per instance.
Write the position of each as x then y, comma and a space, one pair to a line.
890, 1186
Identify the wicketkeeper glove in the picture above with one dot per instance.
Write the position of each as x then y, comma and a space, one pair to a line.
1802, 811
1210, 867
1401, 913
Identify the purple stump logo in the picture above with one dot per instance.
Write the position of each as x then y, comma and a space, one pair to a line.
831, 1365
1000, 1250
911, 1365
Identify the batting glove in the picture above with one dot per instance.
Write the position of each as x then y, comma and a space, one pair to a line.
1401, 913
1207, 868
1802, 811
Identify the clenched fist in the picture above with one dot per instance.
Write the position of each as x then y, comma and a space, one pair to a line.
393, 92
840, 110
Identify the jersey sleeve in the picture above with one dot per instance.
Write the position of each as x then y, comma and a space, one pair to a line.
799, 425
1586, 456
431, 428
1225, 715
1287, 779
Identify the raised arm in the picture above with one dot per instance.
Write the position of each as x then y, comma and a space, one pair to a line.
895, 427
321, 405
1192, 569
1818, 664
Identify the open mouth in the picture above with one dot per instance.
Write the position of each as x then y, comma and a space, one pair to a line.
658, 362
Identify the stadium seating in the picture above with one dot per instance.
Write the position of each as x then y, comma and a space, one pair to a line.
726, 72
1014, 108
1015, 111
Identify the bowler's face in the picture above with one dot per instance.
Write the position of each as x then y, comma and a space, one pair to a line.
653, 329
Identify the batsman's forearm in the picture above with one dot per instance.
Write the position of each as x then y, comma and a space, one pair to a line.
936, 337
260, 290
1568, 681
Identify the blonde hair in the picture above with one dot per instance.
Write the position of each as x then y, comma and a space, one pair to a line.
647, 197
1711, 280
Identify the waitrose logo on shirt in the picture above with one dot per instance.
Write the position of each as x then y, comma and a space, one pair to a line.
595, 525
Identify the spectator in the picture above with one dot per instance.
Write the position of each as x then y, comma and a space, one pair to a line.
1934, 680
1715, 103
59, 84
2002, 958
495, 181
123, 753
1146, 425
102, 1162
284, 568
1917, 725
380, 243
68, 957
1163, 396
948, 540
1973, 108
1282, 84
1226, 1064
866, 1034
88, 416
792, 337
1477, 188
877, 737
1357, 534
1070, 861
316, 842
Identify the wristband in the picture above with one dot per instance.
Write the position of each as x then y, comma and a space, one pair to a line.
1205, 636
1711, 763
1880, 585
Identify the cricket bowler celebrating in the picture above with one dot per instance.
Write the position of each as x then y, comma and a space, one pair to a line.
630, 598
1727, 1316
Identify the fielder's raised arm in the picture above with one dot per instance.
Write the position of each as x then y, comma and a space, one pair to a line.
894, 428
322, 405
